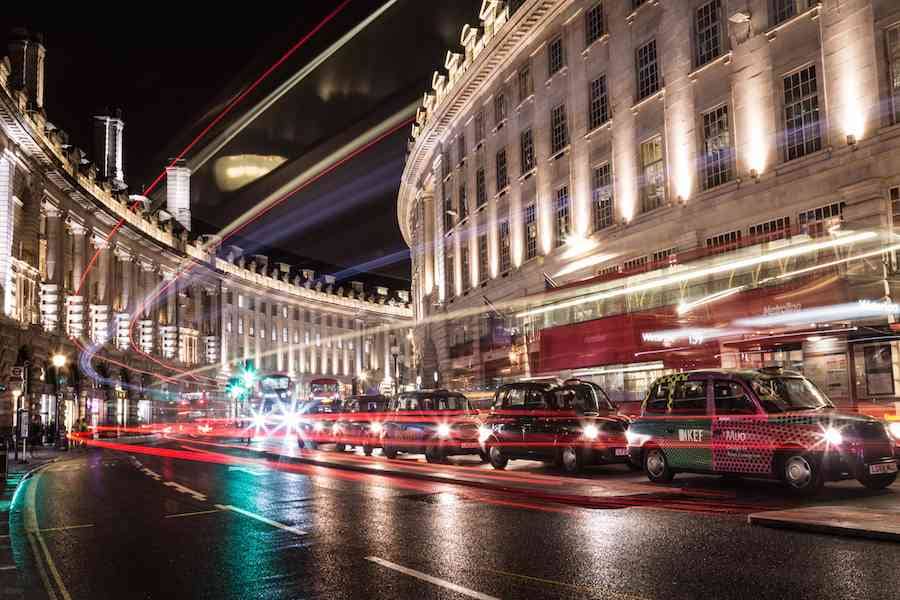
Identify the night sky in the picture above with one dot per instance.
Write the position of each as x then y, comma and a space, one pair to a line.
171, 76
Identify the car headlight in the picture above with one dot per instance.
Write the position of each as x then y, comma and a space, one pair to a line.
484, 434
833, 436
318, 427
336, 428
259, 420
894, 429
590, 432
443, 430
375, 427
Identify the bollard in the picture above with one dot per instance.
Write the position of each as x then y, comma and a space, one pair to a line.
3, 460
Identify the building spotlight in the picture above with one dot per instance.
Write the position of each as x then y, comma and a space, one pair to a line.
58, 360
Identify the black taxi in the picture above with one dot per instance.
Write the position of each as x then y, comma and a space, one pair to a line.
318, 423
570, 424
436, 423
360, 422
768, 423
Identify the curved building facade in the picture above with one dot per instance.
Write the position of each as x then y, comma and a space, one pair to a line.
82, 267
604, 189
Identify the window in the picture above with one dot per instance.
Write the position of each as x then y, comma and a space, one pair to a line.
598, 103
782, 10
502, 174
499, 109
530, 231
653, 191
658, 399
526, 83
608, 270
284, 312
229, 298
556, 55
505, 258
562, 215
241, 326
306, 316
724, 242
647, 70
445, 163
513, 398
730, 398
296, 337
463, 202
480, 188
252, 327
284, 335
593, 24
479, 127
461, 147
663, 256
817, 221
228, 326
262, 307
893, 46
717, 151
448, 208
559, 129
274, 334
601, 197
776, 229
636, 263
482, 258
708, 32
527, 145
252, 304
464, 266
689, 398
240, 301
802, 132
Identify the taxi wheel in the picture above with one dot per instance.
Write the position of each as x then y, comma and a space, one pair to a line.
484, 457
801, 473
434, 454
389, 451
497, 458
367, 450
571, 460
340, 447
657, 467
877, 482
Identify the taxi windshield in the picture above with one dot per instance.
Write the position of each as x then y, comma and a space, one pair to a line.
784, 394
578, 398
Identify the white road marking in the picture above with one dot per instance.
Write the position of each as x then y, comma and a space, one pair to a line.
432, 580
34, 533
150, 473
7, 567
66, 528
191, 514
186, 490
261, 518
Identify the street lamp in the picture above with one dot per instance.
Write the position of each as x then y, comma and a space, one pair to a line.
58, 361
395, 352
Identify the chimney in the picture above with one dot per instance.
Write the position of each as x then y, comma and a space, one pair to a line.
109, 147
26, 56
178, 193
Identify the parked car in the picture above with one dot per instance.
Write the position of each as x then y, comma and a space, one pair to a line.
436, 423
768, 423
318, 423
569, 424
361, 421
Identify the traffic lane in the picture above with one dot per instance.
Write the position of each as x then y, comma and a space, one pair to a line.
626, 553
686, 492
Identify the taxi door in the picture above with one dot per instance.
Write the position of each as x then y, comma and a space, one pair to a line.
506, 419
688, 433
738, 430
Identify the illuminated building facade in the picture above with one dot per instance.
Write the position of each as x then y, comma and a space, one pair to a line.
82, 266
603, 188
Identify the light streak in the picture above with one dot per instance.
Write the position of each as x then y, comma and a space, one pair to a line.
686, 307
694, 274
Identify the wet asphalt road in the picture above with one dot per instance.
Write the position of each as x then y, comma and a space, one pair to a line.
108, 527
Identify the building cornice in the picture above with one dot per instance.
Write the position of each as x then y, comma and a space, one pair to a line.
445, 105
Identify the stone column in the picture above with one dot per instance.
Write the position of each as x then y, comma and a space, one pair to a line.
358, 349
78, 232
101, 273
198, 308
51, 287
124, 256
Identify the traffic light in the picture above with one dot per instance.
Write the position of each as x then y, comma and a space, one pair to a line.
248, 376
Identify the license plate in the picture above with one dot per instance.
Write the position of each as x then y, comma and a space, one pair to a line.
621, 451
468, 446
890, 467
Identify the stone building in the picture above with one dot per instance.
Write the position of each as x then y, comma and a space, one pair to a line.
605, 188
145, 314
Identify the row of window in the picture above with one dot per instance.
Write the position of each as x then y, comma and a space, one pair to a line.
296, 314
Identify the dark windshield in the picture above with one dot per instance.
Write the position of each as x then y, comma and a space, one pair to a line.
579, 398
785, 394
438, 402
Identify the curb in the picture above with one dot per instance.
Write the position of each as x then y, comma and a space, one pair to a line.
11, 582
764, 520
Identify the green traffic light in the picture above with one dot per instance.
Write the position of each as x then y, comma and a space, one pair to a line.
249, 378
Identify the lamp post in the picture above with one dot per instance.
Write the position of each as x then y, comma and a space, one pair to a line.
395, 353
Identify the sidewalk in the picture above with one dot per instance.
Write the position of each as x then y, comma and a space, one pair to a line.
876, 517
10, 584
